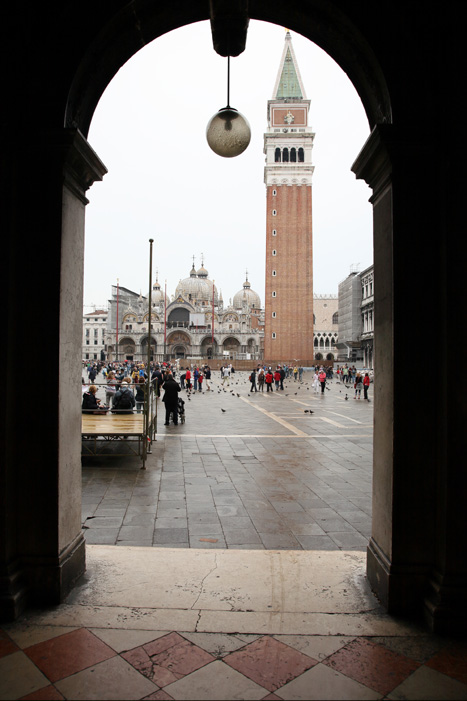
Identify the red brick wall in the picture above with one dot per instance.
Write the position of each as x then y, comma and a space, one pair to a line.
293, 282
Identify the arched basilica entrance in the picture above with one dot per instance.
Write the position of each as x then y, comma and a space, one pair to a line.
418, 513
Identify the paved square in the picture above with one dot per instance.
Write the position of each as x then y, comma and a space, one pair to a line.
284, 470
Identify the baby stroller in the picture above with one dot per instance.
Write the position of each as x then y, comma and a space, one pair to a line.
181, 410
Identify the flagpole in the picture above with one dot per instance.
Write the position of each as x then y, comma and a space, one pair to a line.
212, 327
165, 323
116, 345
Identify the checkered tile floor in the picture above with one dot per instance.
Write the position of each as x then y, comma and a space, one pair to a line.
48, 662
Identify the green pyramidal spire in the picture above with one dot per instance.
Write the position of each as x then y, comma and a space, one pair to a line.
289, 84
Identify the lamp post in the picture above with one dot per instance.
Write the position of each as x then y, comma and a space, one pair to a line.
148, 369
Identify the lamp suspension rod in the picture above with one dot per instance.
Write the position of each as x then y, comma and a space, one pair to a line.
228, 82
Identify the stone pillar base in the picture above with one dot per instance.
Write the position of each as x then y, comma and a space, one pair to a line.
446, 605
41, 581
13, 592
53, 578
400, 588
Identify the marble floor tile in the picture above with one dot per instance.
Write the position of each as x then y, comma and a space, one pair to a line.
215, 682
324, 684
427, 684
67, 654
452, 661
372, 665
47, 693
269, 663
167, 659
19, 676
113, 679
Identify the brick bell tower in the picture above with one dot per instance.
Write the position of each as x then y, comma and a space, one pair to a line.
288, 142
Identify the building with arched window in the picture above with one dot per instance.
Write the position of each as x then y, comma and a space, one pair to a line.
94, 335
193, 322
325, 326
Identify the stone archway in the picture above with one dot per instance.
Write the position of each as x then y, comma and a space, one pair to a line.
178, 344
209, 349
179, 317
415, 520
144, 349
231, 345
179, 352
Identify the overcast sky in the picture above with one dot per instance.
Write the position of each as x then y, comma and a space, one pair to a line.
165, 183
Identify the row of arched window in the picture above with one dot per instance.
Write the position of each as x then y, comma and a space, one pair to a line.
292, 155
325, 343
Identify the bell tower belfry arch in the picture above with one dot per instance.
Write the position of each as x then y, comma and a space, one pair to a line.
288, 144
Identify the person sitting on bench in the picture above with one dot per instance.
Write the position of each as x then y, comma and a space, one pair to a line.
124, 399
90, 403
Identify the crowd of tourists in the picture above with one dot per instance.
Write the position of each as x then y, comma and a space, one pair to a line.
273, 378
125, 385
126, 382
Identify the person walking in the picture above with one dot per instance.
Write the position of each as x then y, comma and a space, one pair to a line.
366, 386
282, 372
253, 381
156, 379
260, 379
316, 381
171, 389
322, 380
226, 376
268, 379
277, 378
345, 374
358, 384
188, 381
207, 377
139, 394
200, 381
111, 388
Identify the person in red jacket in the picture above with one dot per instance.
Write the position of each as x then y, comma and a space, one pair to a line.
322, 380
366, 384
188, 381
268, 379
277, 379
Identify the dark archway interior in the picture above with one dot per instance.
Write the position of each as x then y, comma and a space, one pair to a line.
402, 63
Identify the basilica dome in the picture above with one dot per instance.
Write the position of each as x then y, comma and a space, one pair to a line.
157, 295
252, 298
197, 288
202, 272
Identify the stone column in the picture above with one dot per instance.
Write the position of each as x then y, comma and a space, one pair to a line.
417, 486
42, 549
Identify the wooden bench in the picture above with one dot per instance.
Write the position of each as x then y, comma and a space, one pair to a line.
97, 430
